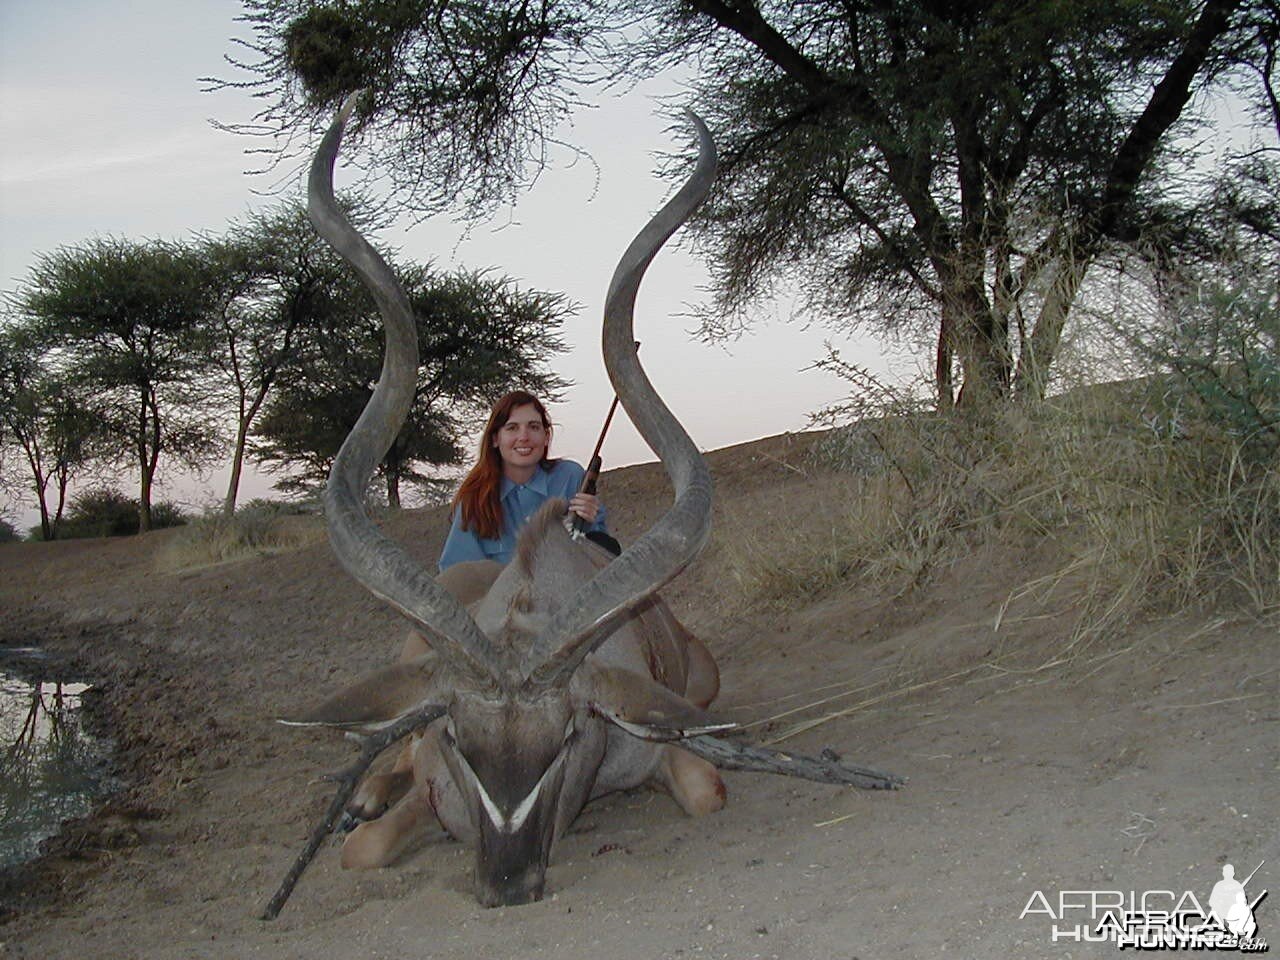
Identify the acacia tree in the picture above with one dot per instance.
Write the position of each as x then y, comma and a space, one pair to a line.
276, 277
128, 323
49, 427
973, 160
963, 163
478, 336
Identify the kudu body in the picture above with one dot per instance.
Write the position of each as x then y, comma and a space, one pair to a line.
556, 678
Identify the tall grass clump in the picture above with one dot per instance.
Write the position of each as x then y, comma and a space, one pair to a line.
899, 501
1148, 496
258, 528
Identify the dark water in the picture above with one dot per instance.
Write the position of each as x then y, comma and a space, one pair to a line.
51, 767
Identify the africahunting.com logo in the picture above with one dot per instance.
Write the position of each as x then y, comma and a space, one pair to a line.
1156, 919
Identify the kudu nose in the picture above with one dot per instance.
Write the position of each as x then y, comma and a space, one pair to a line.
526, 887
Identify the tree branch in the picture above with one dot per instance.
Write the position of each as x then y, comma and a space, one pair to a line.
347, 779
747, 23
826, 768
1162, 111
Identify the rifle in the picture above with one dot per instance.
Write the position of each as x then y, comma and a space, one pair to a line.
578, 528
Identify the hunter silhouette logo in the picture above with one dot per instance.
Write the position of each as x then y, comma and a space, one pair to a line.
1230, 906
1156, 919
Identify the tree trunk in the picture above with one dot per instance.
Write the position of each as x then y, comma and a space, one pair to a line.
46, 529
237, 464
39, 482
942, 367
1041, 348
978, 338
144, 502
149, 456
64, 478
247, 414
393, 490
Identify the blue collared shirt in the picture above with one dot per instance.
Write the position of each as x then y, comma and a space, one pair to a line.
520, 501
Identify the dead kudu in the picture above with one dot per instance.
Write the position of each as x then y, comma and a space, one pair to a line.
566, 677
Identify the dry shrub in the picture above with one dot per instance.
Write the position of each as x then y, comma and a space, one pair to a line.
1146, 519
259, 528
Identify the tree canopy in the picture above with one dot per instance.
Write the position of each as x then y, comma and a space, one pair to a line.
152, 353
126, 322
953, 167
49, 429
478, 337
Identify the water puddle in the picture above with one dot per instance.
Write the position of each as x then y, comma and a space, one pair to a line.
51, 767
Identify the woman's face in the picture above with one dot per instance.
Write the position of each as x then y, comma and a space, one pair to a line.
521, 442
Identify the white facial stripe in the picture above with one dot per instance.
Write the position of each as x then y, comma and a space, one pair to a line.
490, 808
521, 813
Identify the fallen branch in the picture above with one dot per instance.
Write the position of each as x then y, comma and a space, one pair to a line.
826, 768
347, 778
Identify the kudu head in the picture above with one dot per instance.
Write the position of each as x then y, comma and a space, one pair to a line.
525, 713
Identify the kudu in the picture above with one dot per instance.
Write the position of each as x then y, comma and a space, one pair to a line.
566, 676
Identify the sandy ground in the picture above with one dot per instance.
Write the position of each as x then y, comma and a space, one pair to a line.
1145, 765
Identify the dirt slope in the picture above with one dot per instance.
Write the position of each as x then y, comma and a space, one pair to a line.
1145, 770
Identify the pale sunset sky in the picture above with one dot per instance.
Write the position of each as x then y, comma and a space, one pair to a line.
107, 132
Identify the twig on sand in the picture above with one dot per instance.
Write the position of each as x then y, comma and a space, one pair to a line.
826, 768
347, 778
1207, 703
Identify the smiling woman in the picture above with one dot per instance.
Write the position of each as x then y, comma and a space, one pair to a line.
511, 480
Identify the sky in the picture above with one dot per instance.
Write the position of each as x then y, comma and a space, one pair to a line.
107, 133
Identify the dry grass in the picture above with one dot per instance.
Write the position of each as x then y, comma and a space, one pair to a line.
254, 531
1145, 519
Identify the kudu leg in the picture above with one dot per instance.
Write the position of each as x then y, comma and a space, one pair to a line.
434, 800
692, 782
704, 676
347, 779
380, 790
379, 842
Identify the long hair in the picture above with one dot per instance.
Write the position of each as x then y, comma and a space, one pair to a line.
479, 496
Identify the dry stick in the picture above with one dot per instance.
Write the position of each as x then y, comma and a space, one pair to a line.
826, 768
870, 701
347, 778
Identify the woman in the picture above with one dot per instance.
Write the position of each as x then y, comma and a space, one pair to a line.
512, 478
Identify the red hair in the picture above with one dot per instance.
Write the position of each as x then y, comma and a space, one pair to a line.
479, 497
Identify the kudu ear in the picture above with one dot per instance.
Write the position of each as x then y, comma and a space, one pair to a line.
647, 709
376, 699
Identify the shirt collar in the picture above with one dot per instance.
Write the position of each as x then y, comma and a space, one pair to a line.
537, 483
